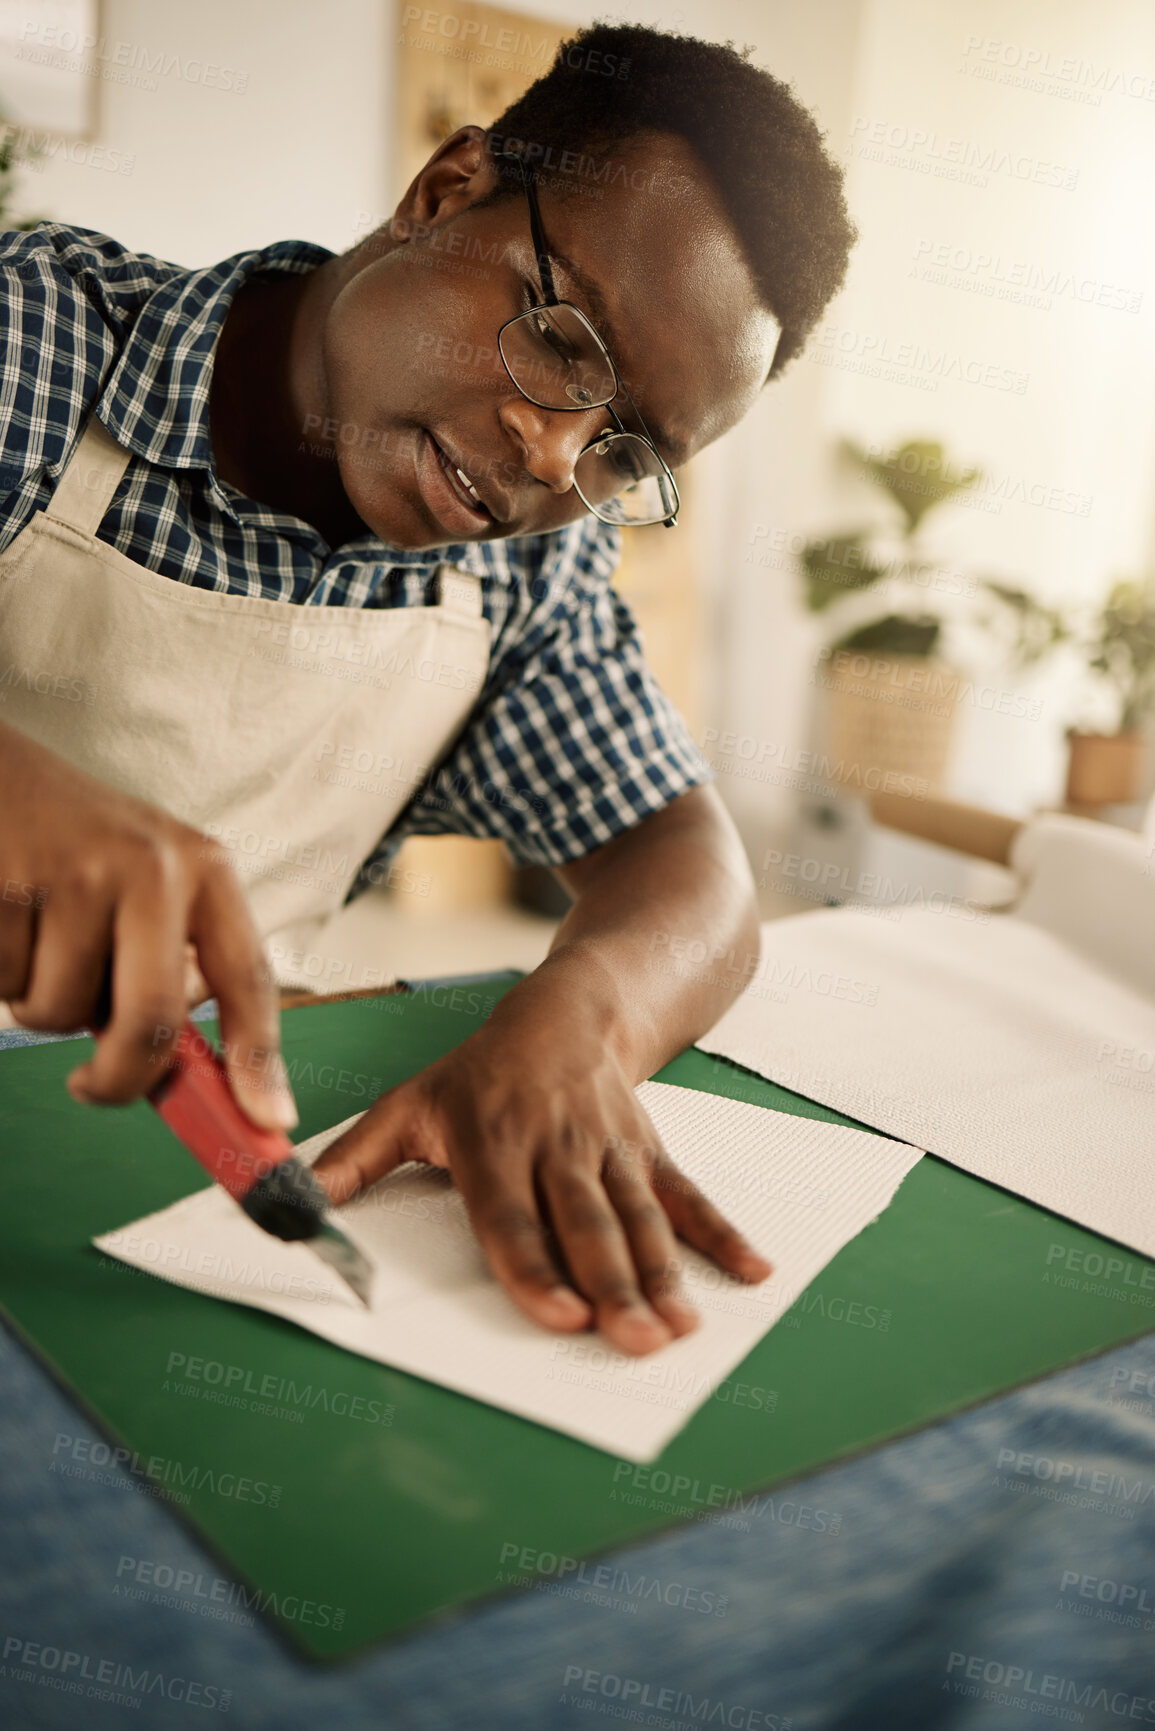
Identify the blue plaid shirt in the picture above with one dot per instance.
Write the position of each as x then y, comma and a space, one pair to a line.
570, 715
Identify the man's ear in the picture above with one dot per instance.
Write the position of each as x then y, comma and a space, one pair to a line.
457, 175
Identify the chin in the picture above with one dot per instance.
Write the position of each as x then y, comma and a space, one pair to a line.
384, 511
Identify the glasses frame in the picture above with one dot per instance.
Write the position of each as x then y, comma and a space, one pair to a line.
550, 298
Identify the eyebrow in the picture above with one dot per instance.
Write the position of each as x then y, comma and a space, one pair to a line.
676, 450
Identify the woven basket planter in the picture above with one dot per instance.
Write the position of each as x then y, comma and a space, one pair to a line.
889, 716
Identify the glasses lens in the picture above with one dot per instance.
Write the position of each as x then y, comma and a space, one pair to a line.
557, 360
622, 481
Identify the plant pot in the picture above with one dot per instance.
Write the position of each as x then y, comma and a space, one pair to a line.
890, 720
1105, 768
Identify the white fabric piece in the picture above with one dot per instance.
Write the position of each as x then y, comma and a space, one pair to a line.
799, 1189
1014, 1046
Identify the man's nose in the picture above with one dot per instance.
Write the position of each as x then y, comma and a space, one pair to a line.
551, 440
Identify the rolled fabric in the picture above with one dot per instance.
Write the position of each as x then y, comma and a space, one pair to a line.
1093, 886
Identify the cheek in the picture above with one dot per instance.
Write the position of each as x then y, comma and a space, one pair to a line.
405, 338
375, 335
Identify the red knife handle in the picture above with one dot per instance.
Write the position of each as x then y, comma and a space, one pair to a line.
258, 1168
196, 1102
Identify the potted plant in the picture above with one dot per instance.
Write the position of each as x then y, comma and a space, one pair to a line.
1107, 768
892, 696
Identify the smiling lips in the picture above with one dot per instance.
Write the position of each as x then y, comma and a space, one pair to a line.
459, 474
447, 491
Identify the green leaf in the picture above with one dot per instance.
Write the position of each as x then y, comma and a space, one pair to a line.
896, 634
918, 476
838, 566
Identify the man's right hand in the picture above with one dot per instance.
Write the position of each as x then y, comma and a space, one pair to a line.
95, 885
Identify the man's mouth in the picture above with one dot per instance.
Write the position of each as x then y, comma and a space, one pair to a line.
448, 492
460, 480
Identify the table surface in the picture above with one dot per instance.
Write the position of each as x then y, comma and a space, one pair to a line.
894, 1553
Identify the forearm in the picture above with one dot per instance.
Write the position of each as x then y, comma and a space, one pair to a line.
661, 939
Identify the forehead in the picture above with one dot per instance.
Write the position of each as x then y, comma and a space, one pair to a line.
657, 254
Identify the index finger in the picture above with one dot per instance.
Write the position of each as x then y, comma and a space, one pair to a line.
147, 999
231, 959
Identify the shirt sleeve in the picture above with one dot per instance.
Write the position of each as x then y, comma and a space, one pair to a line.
573, 740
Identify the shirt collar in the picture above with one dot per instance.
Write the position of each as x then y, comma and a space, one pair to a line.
156, 400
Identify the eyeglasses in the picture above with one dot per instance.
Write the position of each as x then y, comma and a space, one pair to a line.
557, 360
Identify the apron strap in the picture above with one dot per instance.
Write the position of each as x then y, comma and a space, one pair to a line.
459, 592
90, 478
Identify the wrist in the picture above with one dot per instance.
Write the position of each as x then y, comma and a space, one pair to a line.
576, 989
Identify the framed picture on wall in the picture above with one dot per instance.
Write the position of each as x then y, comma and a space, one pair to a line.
52, 60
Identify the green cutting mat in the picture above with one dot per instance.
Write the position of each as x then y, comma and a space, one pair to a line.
398, 1499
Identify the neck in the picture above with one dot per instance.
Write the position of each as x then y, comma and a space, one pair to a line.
267, 389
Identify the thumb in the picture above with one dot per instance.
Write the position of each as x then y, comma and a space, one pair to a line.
375, 1145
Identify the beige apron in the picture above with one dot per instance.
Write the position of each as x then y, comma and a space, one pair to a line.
294, 735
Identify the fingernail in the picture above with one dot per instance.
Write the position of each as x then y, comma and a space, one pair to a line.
568, 1299
637, 1312
76, 1087
269, 1099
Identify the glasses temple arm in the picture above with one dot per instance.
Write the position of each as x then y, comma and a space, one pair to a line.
538, 233
551, 297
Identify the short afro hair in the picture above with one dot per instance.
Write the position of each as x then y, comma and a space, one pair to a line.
764, 152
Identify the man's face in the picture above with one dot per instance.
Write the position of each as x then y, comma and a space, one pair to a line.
413, 377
